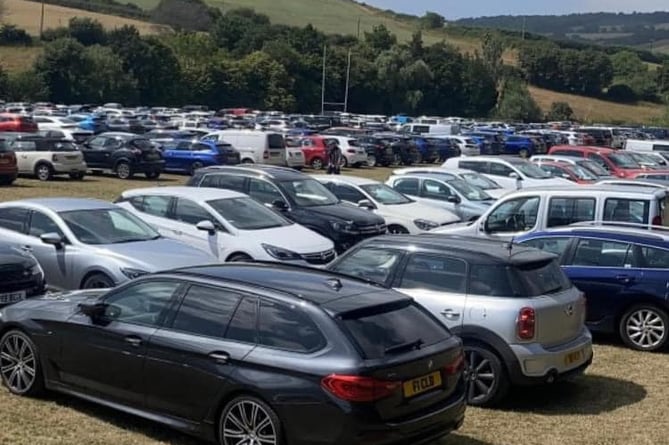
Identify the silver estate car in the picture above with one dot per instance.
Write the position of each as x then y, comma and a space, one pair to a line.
520, 318
86, 243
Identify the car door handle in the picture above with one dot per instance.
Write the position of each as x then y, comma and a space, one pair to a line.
450, 314
133, 340
27, 248
220, 357
625, 279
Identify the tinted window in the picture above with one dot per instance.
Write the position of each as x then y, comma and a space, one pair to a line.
347, 193
434, 273
244, 324
407, 186
498, 169
143, 303
41, 224
565, 211
516, 215
599, 253
14, 219
655, 258
285, 327
206, 311
275, 141
541, 278
473, 165
370, 264
626, 210
490, 280
189, 212
377, 330
553, 244
231, 182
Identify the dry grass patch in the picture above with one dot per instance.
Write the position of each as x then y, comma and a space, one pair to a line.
18, 58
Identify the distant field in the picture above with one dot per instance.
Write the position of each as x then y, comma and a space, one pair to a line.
26, 15
589, 109
13, 58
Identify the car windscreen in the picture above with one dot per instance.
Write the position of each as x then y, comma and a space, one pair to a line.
107, 226
594, 167
385, 195
247, 214
531, 170
393, 328
581, 173
623, 160
308, 193
470, 192
480, 181
275, 141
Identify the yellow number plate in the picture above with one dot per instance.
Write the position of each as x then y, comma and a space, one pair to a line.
573, 357
422, 384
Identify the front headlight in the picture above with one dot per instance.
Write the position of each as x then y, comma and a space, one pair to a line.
345, 227
133, 273
36, 270
424, 224
280, 253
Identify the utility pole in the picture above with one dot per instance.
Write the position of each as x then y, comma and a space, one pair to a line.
348, 76
358, 35
41, 22
323, 82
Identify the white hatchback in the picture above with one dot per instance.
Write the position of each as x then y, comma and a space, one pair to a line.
228, 224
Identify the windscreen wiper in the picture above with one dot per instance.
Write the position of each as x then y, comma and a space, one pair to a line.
408, 346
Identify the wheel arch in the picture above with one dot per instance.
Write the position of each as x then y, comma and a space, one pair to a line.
485, 337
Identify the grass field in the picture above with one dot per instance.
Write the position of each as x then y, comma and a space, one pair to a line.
621, 400
18, 58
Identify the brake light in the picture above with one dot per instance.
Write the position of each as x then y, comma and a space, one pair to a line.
265, 154
525, 323
456, 366
353, 388
657, 220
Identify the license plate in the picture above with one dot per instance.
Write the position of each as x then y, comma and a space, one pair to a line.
72, 158
12, 297
574, 357
422, 384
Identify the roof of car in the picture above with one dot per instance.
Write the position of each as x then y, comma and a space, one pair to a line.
62, 204
120, 134
318, 286
612, 232
272, 171
356, 180
590, 188
507, 158
197, 194
603, 150
476, 250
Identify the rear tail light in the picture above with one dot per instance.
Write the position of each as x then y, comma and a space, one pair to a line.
657, 220
350, 151
265, 154
525, 323
456, 366
353, 388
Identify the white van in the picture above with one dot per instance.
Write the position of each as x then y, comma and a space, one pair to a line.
257, 147
415, 128
653, 145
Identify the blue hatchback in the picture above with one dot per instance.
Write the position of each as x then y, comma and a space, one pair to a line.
624, 273
187, 156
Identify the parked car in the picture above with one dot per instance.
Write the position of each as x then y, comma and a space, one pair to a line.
616, 162
17, 123
229, 225
404, 150
375, 366
21, 276
86, 243
314, 151
444, 191
428, 150
124, 154
623, 273
75, 135
522, 146
491, 142
468, 146
401, 213
471, 177
45, 158
254, 146
538, 209
354, 154
521, 320
602, 137
379, 151
54, 122
90, 122
590, 165
187, 156
573, 173
299, 197
8, 165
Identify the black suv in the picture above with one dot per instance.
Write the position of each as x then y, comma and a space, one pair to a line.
124, 154
20, 275
299, 197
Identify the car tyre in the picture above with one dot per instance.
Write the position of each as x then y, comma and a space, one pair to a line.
486, 379
371, 160
397, 230
20, 366
123, 170
97, 281
152, 175
195, 167
317, 164
44, 171
644, 328
247, 419
524, 153
239, 258
77, 176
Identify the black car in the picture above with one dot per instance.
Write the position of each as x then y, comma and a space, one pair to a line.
379, 152
299, 197
405, 151
124, 154
246, 353
21, 276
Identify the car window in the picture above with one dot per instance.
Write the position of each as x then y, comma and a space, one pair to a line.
473, 165
552, 244
275, 141
599, 160
438, 273
15, 219
347, 193
41, 224
369, 263
565, 211
244, 324
190, 213
24, 146
143, 303
228, 182
538, 278
599, 253
263, 191
490, 280
248, 214
435, 190
156, 205
498, 169
408, 186
206, 311
515, 215
385, 195
287, 327
655, 258
107, 226
626, 210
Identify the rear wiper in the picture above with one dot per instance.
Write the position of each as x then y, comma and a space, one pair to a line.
408, 346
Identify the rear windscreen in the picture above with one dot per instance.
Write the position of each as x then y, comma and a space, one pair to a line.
276, 141
391, 329
540, 278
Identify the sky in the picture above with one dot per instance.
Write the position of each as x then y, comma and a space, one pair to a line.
455, 9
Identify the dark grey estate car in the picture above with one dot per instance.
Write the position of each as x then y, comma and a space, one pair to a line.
259, 354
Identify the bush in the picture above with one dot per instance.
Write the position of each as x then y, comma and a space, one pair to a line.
105, 7
11, 35
51, 34
621, 93
560, 111
87, 31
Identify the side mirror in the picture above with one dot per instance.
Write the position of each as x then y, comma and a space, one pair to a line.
454, 199
206, 226
280, 205
93, 310
514, 175
366, 204
53, 239
483, 226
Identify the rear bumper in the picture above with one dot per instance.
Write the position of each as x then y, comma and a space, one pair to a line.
69, 168
150, 166
538, 365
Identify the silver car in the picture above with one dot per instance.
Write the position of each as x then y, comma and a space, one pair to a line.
86, 243
520, 318
449, 193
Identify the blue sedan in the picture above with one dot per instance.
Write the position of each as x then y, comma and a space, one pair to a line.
187, 156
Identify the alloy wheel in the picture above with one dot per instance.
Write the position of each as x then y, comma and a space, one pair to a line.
317, 164
123, 171
480, 376
43, 172
247, 423
18, 364
646, 329
371, 161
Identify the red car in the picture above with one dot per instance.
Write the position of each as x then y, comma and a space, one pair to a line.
617, 162
313, 148
8, 168
574, 173
18, 123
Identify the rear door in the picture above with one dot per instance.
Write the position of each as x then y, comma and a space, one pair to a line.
275, 145
184, 218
